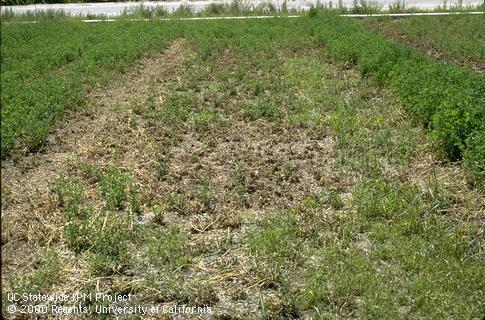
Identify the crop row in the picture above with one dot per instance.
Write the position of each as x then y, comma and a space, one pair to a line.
457, 38
448, 99
47, 67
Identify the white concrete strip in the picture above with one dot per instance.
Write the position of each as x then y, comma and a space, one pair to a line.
407, 14
113, 9
292, 16
359, 16
194, 18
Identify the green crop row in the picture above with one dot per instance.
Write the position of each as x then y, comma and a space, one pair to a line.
448, 99
46, 68
455, 37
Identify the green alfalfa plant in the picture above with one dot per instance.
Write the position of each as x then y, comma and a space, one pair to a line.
119, 191
454, 122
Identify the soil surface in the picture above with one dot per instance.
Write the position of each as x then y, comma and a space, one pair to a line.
245, 169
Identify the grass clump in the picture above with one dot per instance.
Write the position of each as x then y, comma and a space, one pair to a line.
263, 108
166, 248
275, 246
109, 243
240, 189
184, 10
144, 12
177, 108
163, 166
203, 119
359, 263
45, 273
332, 198
204, 195
103, 234
474, 156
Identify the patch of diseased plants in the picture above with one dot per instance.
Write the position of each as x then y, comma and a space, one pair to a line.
248, 174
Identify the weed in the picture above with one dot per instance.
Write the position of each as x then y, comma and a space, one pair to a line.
202, 294
194, 157
177, 202
397, 6
202, 120
275, 245
263, 108
367, 6
70, 195
115, 186
214, 9
163, 167
46, 274
142, 11
474, 156
332, 198
240, 186
204, 195
133, 120
159, 212
184, 10
109, 241
134, 200
313, 12
165, 248
78, 234
90, 173
176, 108
286, 172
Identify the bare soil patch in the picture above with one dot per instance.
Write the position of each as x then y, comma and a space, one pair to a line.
248, 168
212, 183
28, 209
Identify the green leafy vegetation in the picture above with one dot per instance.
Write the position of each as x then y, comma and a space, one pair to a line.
45, 275
250, 166
117, 188
338, 257
448, 99
455, 37
41, 79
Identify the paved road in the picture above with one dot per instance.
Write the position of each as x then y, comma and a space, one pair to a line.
112, 9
